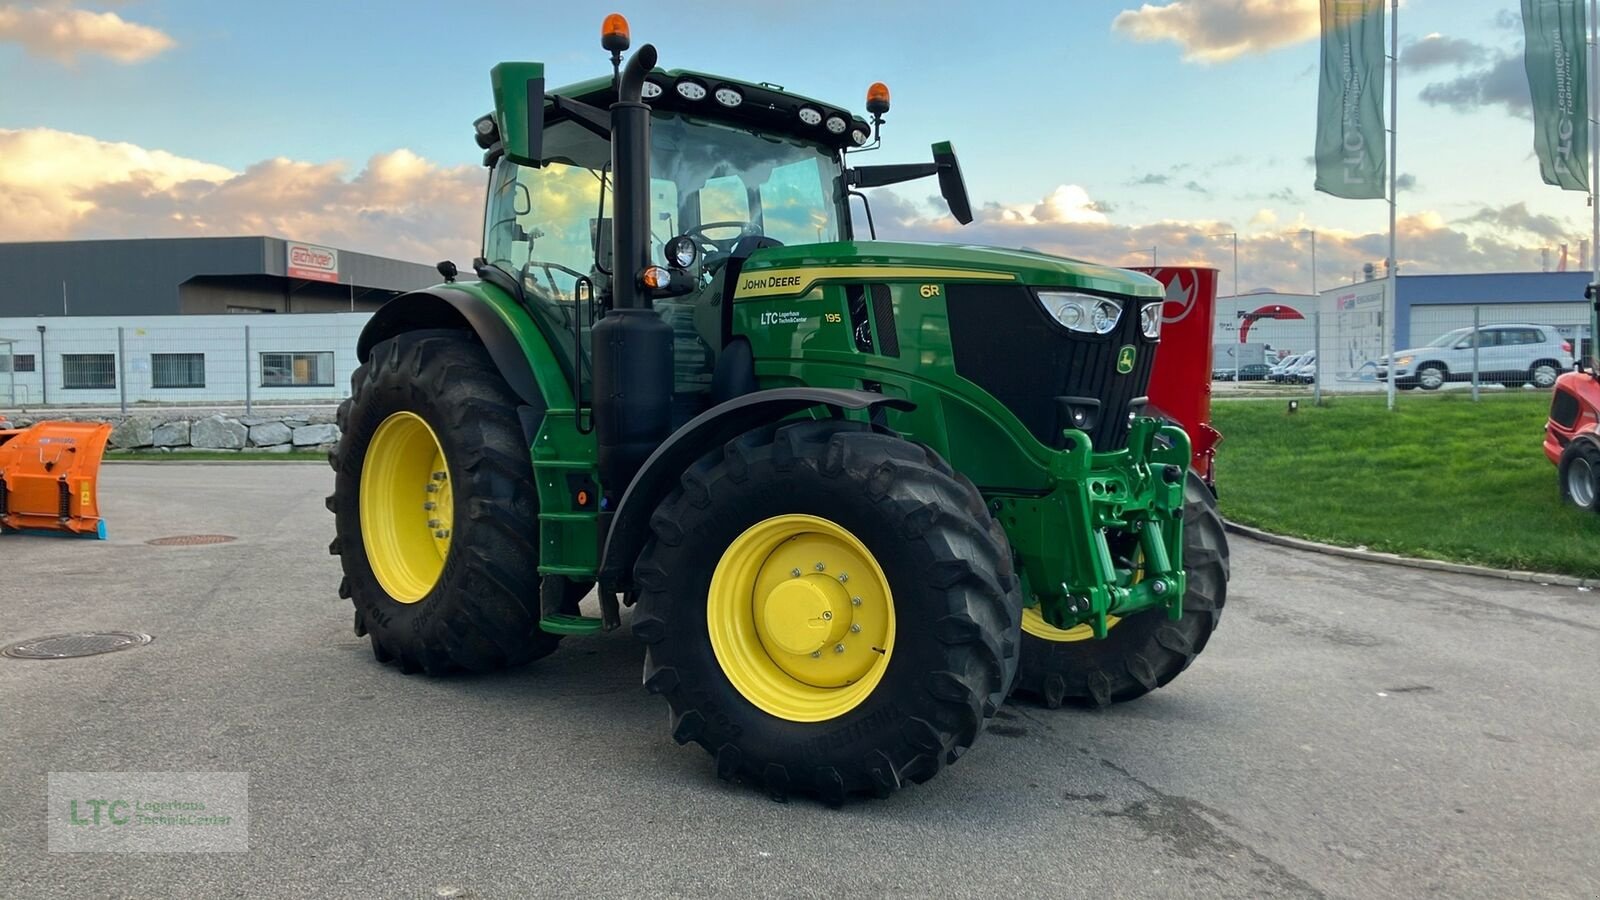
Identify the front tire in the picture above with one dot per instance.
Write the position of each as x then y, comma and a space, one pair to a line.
435, 508
1141, 652
1579, 473
762, 564
1432, 376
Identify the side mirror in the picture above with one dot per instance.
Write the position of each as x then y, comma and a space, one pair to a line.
519, 110
951, 184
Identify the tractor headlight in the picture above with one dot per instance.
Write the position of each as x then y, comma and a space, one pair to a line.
1150, 320
729, 97
649, 90
691, 90
837, 124
1081, 312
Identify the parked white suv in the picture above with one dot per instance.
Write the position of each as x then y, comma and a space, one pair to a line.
1512, 355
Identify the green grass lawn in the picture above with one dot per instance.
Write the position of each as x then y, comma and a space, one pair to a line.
215, 456
1442, 478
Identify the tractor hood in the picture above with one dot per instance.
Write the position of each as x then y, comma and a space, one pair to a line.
1027, 267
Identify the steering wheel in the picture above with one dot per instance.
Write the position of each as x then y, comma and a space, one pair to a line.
723, 246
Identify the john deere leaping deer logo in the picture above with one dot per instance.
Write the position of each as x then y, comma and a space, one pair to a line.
1125, 358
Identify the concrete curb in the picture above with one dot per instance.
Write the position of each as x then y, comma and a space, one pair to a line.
1409, 562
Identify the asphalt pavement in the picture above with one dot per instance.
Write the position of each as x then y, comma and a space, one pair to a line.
1354, 730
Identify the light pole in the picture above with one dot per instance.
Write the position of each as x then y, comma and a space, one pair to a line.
1316, 321
1235, 236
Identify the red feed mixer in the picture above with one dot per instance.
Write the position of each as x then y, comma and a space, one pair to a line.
1180, 387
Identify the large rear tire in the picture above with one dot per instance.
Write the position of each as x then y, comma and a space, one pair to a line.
1146, 650
436, 513
828, 610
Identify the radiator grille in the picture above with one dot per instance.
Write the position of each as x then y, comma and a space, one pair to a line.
1005, 343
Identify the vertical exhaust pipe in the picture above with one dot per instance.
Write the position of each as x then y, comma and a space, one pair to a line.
631, 345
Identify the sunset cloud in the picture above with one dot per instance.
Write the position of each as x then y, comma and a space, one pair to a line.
57, 185
1212, 31
64, 33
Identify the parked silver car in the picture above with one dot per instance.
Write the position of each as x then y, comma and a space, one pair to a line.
1512, 355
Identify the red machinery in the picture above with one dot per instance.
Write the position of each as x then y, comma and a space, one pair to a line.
1572, 437
1181, 385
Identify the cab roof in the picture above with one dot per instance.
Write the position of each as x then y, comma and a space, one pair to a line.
766, 108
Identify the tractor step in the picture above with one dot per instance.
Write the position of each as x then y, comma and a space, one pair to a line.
564, 624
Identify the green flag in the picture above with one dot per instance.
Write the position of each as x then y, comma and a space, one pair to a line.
1558, 75
1350, 156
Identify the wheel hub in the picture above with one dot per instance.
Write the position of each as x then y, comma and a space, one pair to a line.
799, 616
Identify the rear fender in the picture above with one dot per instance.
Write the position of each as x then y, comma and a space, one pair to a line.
630, 526
514, 341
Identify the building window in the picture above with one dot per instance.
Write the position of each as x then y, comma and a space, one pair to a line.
22, 362
177, 370
297, 369
88, 371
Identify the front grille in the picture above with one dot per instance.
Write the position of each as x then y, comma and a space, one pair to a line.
1006, 343
1564, 409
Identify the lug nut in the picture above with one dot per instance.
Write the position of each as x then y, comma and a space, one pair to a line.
843, 578
816, 654
820, 567
838, 648
438, 476
827, 615
434, 523
855, 601
856, 628
795, 572
429, 505
1158, 587
441, 533
432, 487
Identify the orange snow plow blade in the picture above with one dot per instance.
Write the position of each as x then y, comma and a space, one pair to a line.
48, 477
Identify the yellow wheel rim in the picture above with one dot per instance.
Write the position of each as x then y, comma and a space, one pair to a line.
407, 508
801, 618
1033, 623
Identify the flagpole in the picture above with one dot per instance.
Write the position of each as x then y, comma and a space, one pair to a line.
1594, 169
1394, 147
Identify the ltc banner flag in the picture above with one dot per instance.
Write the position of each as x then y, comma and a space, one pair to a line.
1350, 155
1559, 77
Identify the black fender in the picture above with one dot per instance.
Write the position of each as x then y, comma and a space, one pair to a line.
630, 524
447, 307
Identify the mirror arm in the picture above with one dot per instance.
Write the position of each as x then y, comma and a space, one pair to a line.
882, 176
590, 118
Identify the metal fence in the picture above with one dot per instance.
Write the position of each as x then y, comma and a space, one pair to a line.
293, 361
1479, 348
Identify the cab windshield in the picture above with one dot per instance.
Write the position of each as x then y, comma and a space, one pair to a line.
546, 225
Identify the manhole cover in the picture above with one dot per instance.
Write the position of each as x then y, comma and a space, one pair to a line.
79, 643
191, 540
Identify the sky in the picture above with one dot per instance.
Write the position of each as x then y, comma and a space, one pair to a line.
1099, 129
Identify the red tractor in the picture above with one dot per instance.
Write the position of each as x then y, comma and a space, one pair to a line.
1572, 437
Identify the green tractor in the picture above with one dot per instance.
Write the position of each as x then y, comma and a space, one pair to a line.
854, 492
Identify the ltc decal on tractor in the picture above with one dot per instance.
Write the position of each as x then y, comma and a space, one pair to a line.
855, 491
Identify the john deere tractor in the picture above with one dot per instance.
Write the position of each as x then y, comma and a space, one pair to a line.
854, 491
